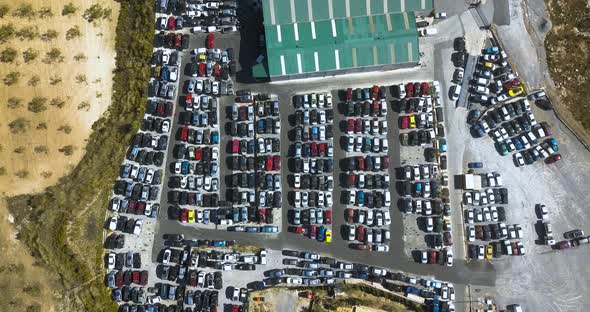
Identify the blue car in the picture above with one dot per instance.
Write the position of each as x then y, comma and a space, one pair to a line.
361, 198
518, 143
252, 229
418, 187
475, 165
185, 167
215, 137
553, 144
261, 126
321, 233
443, 144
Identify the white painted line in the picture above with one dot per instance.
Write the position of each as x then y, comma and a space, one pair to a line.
271, 5
388, 21
347, 5
279, 34
310, 10
406, 20
283, 65
410, 56
392, 53
354, 63
368, 5
375, 56
313, 30
330, 9
317, 61
337, 58
385, 6
402, 5
334, 34
292, 7
296, 31
299, 69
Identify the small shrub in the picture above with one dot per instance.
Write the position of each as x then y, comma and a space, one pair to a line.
69, 9
25, 10
19, 150
81, 78
2, 171
34, 81
49, 35
57, 102
80, 57
84, 105
8, 55
19, 125
41, 149
14, 102
30, 55
37, 104
4, 10
96, 12
45, 12
12, 78
27, 33
6, 32
54, 80
68, 150
46, 175
42, 126
22, 174
73, 33
54, 55
65, 128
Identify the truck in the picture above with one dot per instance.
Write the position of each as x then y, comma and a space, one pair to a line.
425, 32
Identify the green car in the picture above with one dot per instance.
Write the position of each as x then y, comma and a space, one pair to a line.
503, 149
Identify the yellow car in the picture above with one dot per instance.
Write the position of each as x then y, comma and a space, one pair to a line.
191, 216
488, 65
202, 57
412, 121
489, 252
328, 236
516, 91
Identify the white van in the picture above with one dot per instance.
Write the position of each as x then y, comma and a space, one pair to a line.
455, 91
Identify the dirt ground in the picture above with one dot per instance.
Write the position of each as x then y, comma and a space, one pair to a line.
44, 168
568, 51
36, 289
33, 291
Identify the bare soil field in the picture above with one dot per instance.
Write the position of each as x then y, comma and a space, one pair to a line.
68, 94
568, 51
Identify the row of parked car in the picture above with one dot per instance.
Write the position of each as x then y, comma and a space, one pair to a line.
313, 165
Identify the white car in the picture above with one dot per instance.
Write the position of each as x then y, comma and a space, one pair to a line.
467, 198
177, 167
386, 217
329, 200
297, 181
351, 197
294, 281
471, 233
138, 227
518, 160
113, 224
351, 232
449, 256
215, 87
111, 261
429, 224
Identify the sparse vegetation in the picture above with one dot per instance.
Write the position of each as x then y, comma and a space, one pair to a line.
73, 32
19, 125
34, 80
69, 9
49, 35
54, 80
6, 32
12, 78
68, 150
8, 55
4, 10
22, 174
14, 102
27, 33
96, 12
81, 78
37, 104
54, 55
46, 174
19, 150
41, 149
2, 171
42, 126
25, 10
45, 12
84, 105
58, 102
65, 128
30, 55
80, 57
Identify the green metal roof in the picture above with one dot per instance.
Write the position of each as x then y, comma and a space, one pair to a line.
306, 36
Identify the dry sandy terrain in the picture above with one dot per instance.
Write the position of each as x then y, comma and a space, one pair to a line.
35, 288
97, 44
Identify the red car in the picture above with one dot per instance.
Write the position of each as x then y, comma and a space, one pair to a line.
184, 133
268, 163
172, 23
553, 158
202, 69
189, 101
350, 128
327, 216
433, 257
385, 162
360, 233
143, 278
235, 308
424, 89
235, 147
405, 122
448, 239
178, 41
277, 162
358, 246
564, 245
210, 44
511, 84
349, 94
351, 180
376, 108
409, 90
322, 152
132, 207
262, 215
140, 208
358, 126
314, 149
136, 277
119, 279
184, 215
375, 92
198, 153
216, 70
349, 213
313, 232
360, 163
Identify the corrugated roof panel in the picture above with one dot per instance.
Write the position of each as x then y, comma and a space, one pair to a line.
301, 12
320, 10
377, 7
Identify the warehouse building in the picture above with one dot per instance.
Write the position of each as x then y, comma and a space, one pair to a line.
315, 38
